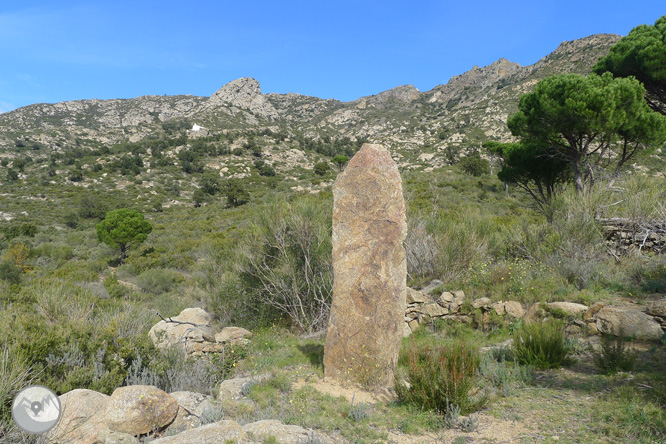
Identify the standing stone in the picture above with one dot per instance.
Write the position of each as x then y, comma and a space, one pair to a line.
370, 271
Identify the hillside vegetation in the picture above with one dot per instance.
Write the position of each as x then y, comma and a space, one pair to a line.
239, 205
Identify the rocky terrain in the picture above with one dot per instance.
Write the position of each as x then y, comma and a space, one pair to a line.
470, 108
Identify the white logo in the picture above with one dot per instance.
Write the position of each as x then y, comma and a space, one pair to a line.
36, 409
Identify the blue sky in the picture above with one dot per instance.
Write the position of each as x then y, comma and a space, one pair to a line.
61, 50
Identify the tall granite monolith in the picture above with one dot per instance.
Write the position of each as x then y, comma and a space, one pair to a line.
370, 271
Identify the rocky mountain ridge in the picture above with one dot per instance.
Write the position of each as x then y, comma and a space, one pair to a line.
468, 109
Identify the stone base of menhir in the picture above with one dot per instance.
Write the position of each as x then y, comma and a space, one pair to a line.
370, 271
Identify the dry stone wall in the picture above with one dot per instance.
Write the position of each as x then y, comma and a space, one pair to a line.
623, 235
639, 322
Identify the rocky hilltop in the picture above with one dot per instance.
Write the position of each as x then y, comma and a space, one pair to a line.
468, 109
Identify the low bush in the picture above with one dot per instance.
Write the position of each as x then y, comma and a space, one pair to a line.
157, 280
614, 355
542, 345
501, 373
440, 378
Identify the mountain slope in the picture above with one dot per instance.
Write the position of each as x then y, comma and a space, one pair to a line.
470, 108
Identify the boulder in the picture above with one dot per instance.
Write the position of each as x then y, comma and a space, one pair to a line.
534, 313
215, 433
657, 308
481, 302
193, 325
188, 411
569, 307
628, 323
370, 270
284, 434
406, 331
232, 334
110, 437
458, 300
499, 308
593, 310
233, 388
82, 417
140, 409
514, 309
446, 298
431, 286
415, 296
434, 310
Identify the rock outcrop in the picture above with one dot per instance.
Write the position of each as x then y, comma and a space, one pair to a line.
192, 330
83, 417
370, 270
244, 93
619, 321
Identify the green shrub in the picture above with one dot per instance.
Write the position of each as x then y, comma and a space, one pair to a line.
440, 378
474, 165
614, 355
10, 272
235, 192
321, 168
499, 371
287, 270
113, 287
542, 345
157, 280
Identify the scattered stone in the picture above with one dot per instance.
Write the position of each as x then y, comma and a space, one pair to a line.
370, 270
232, 334
431, 286
215, 433
592, 328
140, 409
434, 310
514, 309
534, 313
628, 323
189, 411
458, 300
446, 298
194, 327
569, 307
481, 302
284, 434
657, 308
413, 325
589, 314
505, 344
415, 296
233, 388
499, 308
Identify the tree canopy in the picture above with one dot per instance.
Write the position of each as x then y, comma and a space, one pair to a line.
641, 54
589, 122
122, 228
531, 168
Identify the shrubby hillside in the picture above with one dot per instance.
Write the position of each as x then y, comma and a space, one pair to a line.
236, 188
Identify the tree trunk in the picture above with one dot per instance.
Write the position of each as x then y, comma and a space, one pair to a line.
578, 176
123, 253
